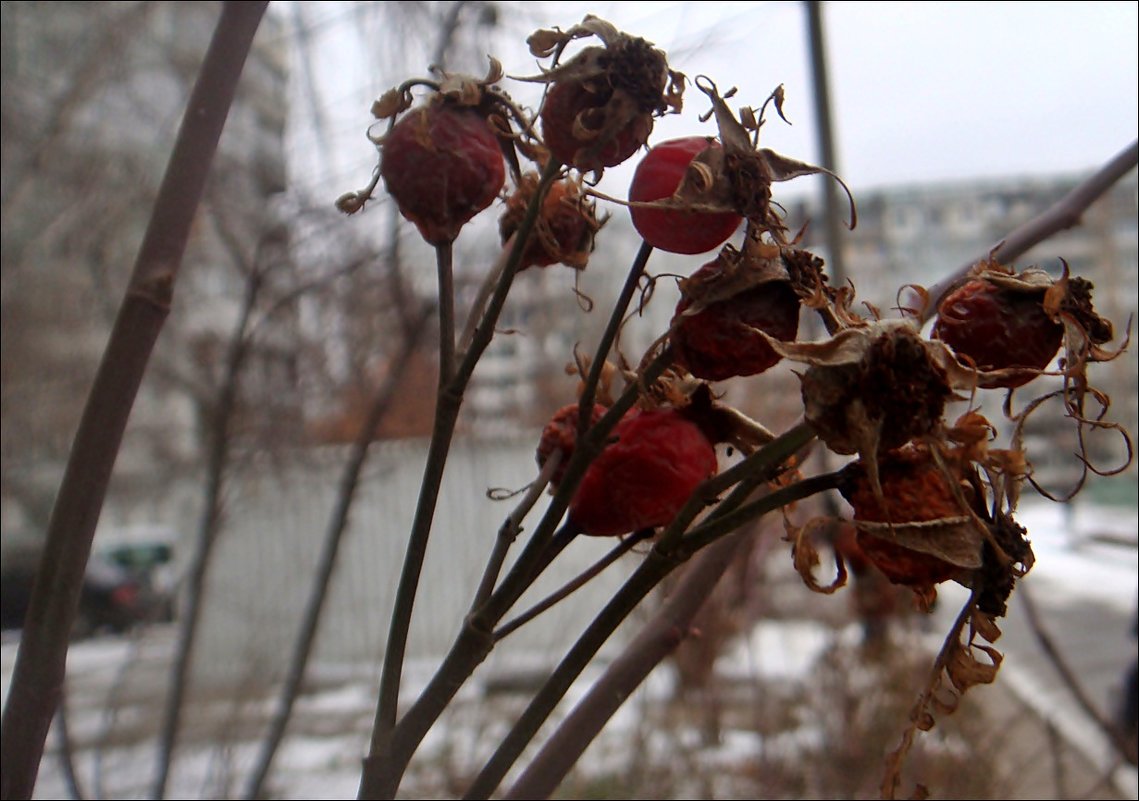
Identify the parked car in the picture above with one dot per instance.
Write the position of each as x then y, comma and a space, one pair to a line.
111, 598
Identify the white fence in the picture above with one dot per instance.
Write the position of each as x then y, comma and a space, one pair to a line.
265, 559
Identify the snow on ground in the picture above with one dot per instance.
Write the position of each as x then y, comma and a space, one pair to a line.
1090, 554
1084, 553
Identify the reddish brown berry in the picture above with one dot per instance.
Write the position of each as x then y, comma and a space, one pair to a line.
998, 328
600, 106
560, 433
645, 477
914, 490
443, 165
572, 112
721, 340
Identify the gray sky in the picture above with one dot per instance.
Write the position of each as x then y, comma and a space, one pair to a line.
922, 91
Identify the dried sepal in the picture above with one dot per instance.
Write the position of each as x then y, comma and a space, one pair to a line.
391, 103
745, 172
735, 272
544, 43
958, 663
966, 670
873, 387
565, 228
951, 539
467, 90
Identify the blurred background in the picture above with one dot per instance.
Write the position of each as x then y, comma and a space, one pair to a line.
953, 123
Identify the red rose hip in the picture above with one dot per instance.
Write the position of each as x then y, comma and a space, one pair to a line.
657, 177
998, 328
645, 477
443, 165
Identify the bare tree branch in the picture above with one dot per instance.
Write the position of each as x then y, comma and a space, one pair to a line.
337, 525
1063, 214
1068, 675
656, 640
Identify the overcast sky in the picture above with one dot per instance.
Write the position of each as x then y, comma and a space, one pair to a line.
921, 91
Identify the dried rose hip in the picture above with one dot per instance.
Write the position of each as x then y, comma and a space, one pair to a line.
914, 490
998, 328
564, 229
560, 433
721, 340
600, 105
645, 477
572, 111
657, 177
443, 165
894, 391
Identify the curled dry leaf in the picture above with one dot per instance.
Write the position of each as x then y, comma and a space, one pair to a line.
965, 670
953, 539
805, 556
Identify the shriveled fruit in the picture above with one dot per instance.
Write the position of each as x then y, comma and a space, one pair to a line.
564, 229
571, 112
443, 165
658, 176
915, 495
998, 328
600, 106
877, 388
645, 477
721, 340
560, 434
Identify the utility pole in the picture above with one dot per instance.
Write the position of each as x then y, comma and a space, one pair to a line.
833, 229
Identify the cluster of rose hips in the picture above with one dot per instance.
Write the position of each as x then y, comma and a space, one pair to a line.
876, 388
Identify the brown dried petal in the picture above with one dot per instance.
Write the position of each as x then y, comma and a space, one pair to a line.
782, 168
736, 273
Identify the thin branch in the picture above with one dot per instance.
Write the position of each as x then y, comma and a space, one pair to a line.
1063, 214
669, 626
632, 281
1068, 675
510, 529
373, 782
67, 751
219, 448
37, 678
384, 769
647, 575
443, 263
658, 564
575, 584
337, 525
